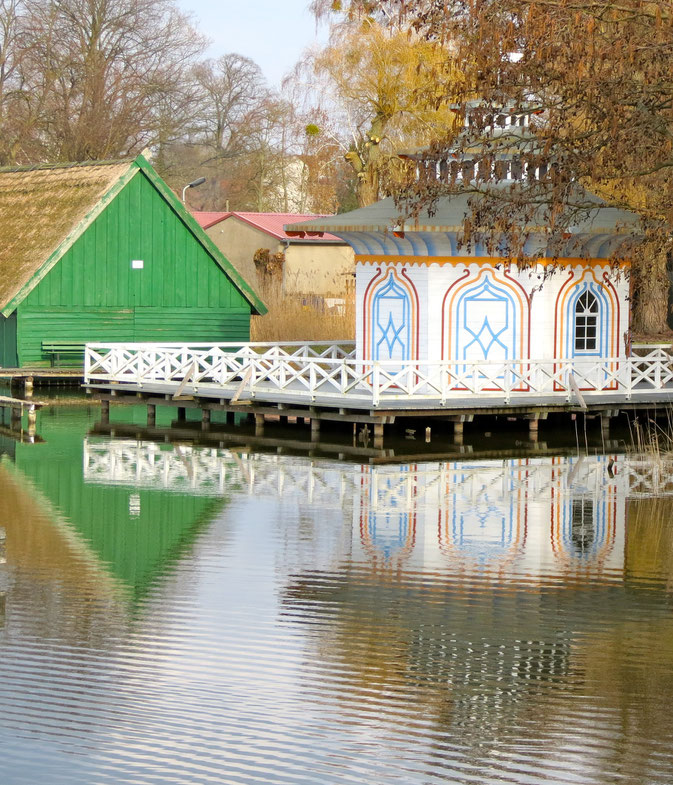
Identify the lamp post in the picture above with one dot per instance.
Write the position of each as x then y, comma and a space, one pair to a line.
193, 184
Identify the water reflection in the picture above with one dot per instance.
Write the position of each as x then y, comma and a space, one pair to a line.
3, 575
561, 518
126, 539
198, 615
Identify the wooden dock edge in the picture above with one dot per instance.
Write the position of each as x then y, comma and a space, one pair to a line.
371, 425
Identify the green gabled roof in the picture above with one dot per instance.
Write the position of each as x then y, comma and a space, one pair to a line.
45, 209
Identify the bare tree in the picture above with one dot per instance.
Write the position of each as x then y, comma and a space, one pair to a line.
21, 97
87, 79
231, 92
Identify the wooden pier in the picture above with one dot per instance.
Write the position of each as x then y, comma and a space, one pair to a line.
17, 407
326, 383
26, 379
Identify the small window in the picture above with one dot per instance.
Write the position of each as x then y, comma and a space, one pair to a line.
586, 323
468, 170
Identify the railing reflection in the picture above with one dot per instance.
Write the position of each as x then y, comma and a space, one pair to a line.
523, 516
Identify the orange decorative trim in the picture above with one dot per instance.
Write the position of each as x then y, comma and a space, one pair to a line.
422, 261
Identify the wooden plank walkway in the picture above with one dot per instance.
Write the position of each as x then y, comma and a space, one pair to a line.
42, 373
487, 403
7, 402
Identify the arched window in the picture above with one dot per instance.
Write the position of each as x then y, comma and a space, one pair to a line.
391, 328
586, 323
486, 322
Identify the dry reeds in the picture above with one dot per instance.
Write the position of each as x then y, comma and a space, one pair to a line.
653, 439
295, 318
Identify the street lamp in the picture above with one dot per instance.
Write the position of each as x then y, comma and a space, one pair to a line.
193, 184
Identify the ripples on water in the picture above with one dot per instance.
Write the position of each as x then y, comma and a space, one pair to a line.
185, 615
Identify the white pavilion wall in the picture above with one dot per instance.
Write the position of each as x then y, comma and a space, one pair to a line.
483, 311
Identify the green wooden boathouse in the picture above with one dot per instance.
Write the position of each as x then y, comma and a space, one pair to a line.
105, 251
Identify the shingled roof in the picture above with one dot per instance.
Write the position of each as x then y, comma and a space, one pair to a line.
45, 208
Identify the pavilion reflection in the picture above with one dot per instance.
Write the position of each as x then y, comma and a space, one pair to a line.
527, 518
487, 596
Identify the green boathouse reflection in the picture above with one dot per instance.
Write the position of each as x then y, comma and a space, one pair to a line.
132, 534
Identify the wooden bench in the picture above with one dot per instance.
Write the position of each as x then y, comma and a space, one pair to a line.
67, 349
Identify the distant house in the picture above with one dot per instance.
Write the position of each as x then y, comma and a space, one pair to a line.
309, 263
106, 252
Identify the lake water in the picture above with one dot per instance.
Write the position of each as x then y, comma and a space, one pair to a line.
174, 614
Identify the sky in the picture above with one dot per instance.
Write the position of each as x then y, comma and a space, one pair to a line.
273, 33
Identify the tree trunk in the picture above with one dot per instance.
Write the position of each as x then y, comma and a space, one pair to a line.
650, 301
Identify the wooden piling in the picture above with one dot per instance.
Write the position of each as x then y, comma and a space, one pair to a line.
378, 435
533, 428
605, 425
32, 420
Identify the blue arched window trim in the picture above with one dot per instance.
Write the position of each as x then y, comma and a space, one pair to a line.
487, 336
388, 332
602, 321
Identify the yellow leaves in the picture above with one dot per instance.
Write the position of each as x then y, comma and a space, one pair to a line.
371, 66
398, 87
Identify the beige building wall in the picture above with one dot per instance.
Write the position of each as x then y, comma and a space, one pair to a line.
326, 269
238, 241
323, 269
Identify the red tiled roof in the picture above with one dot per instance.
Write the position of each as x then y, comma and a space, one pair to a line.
271, 223
206, 220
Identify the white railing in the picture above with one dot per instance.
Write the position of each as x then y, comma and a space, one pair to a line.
329, 373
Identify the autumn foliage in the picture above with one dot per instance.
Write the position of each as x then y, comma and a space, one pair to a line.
598, 73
